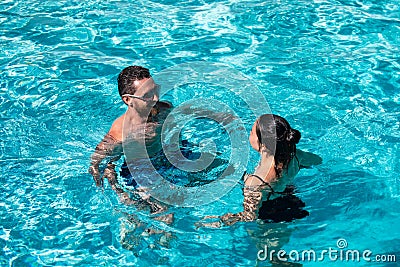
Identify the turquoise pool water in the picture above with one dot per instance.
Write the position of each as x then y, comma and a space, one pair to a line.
332, 68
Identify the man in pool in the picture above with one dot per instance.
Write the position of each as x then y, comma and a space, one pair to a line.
141, 95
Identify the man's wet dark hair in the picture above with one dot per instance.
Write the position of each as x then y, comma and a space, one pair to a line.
127, 77
273, 128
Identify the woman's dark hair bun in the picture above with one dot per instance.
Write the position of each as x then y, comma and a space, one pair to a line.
293, 136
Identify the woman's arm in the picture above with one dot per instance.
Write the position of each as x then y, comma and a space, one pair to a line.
251, 203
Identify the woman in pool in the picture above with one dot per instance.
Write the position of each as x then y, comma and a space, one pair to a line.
272, 136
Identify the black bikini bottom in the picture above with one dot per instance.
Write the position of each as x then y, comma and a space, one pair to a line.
284, 208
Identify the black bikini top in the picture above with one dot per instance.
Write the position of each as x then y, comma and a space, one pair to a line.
272, 191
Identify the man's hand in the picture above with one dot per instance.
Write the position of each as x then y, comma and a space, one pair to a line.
213, 224
96, 176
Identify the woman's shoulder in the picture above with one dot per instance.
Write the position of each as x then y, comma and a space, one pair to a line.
253, 182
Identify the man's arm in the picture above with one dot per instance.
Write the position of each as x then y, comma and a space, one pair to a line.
307, 159
104, 149
107, 147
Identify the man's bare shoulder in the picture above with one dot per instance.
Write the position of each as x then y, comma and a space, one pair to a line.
163, 105
116, 128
